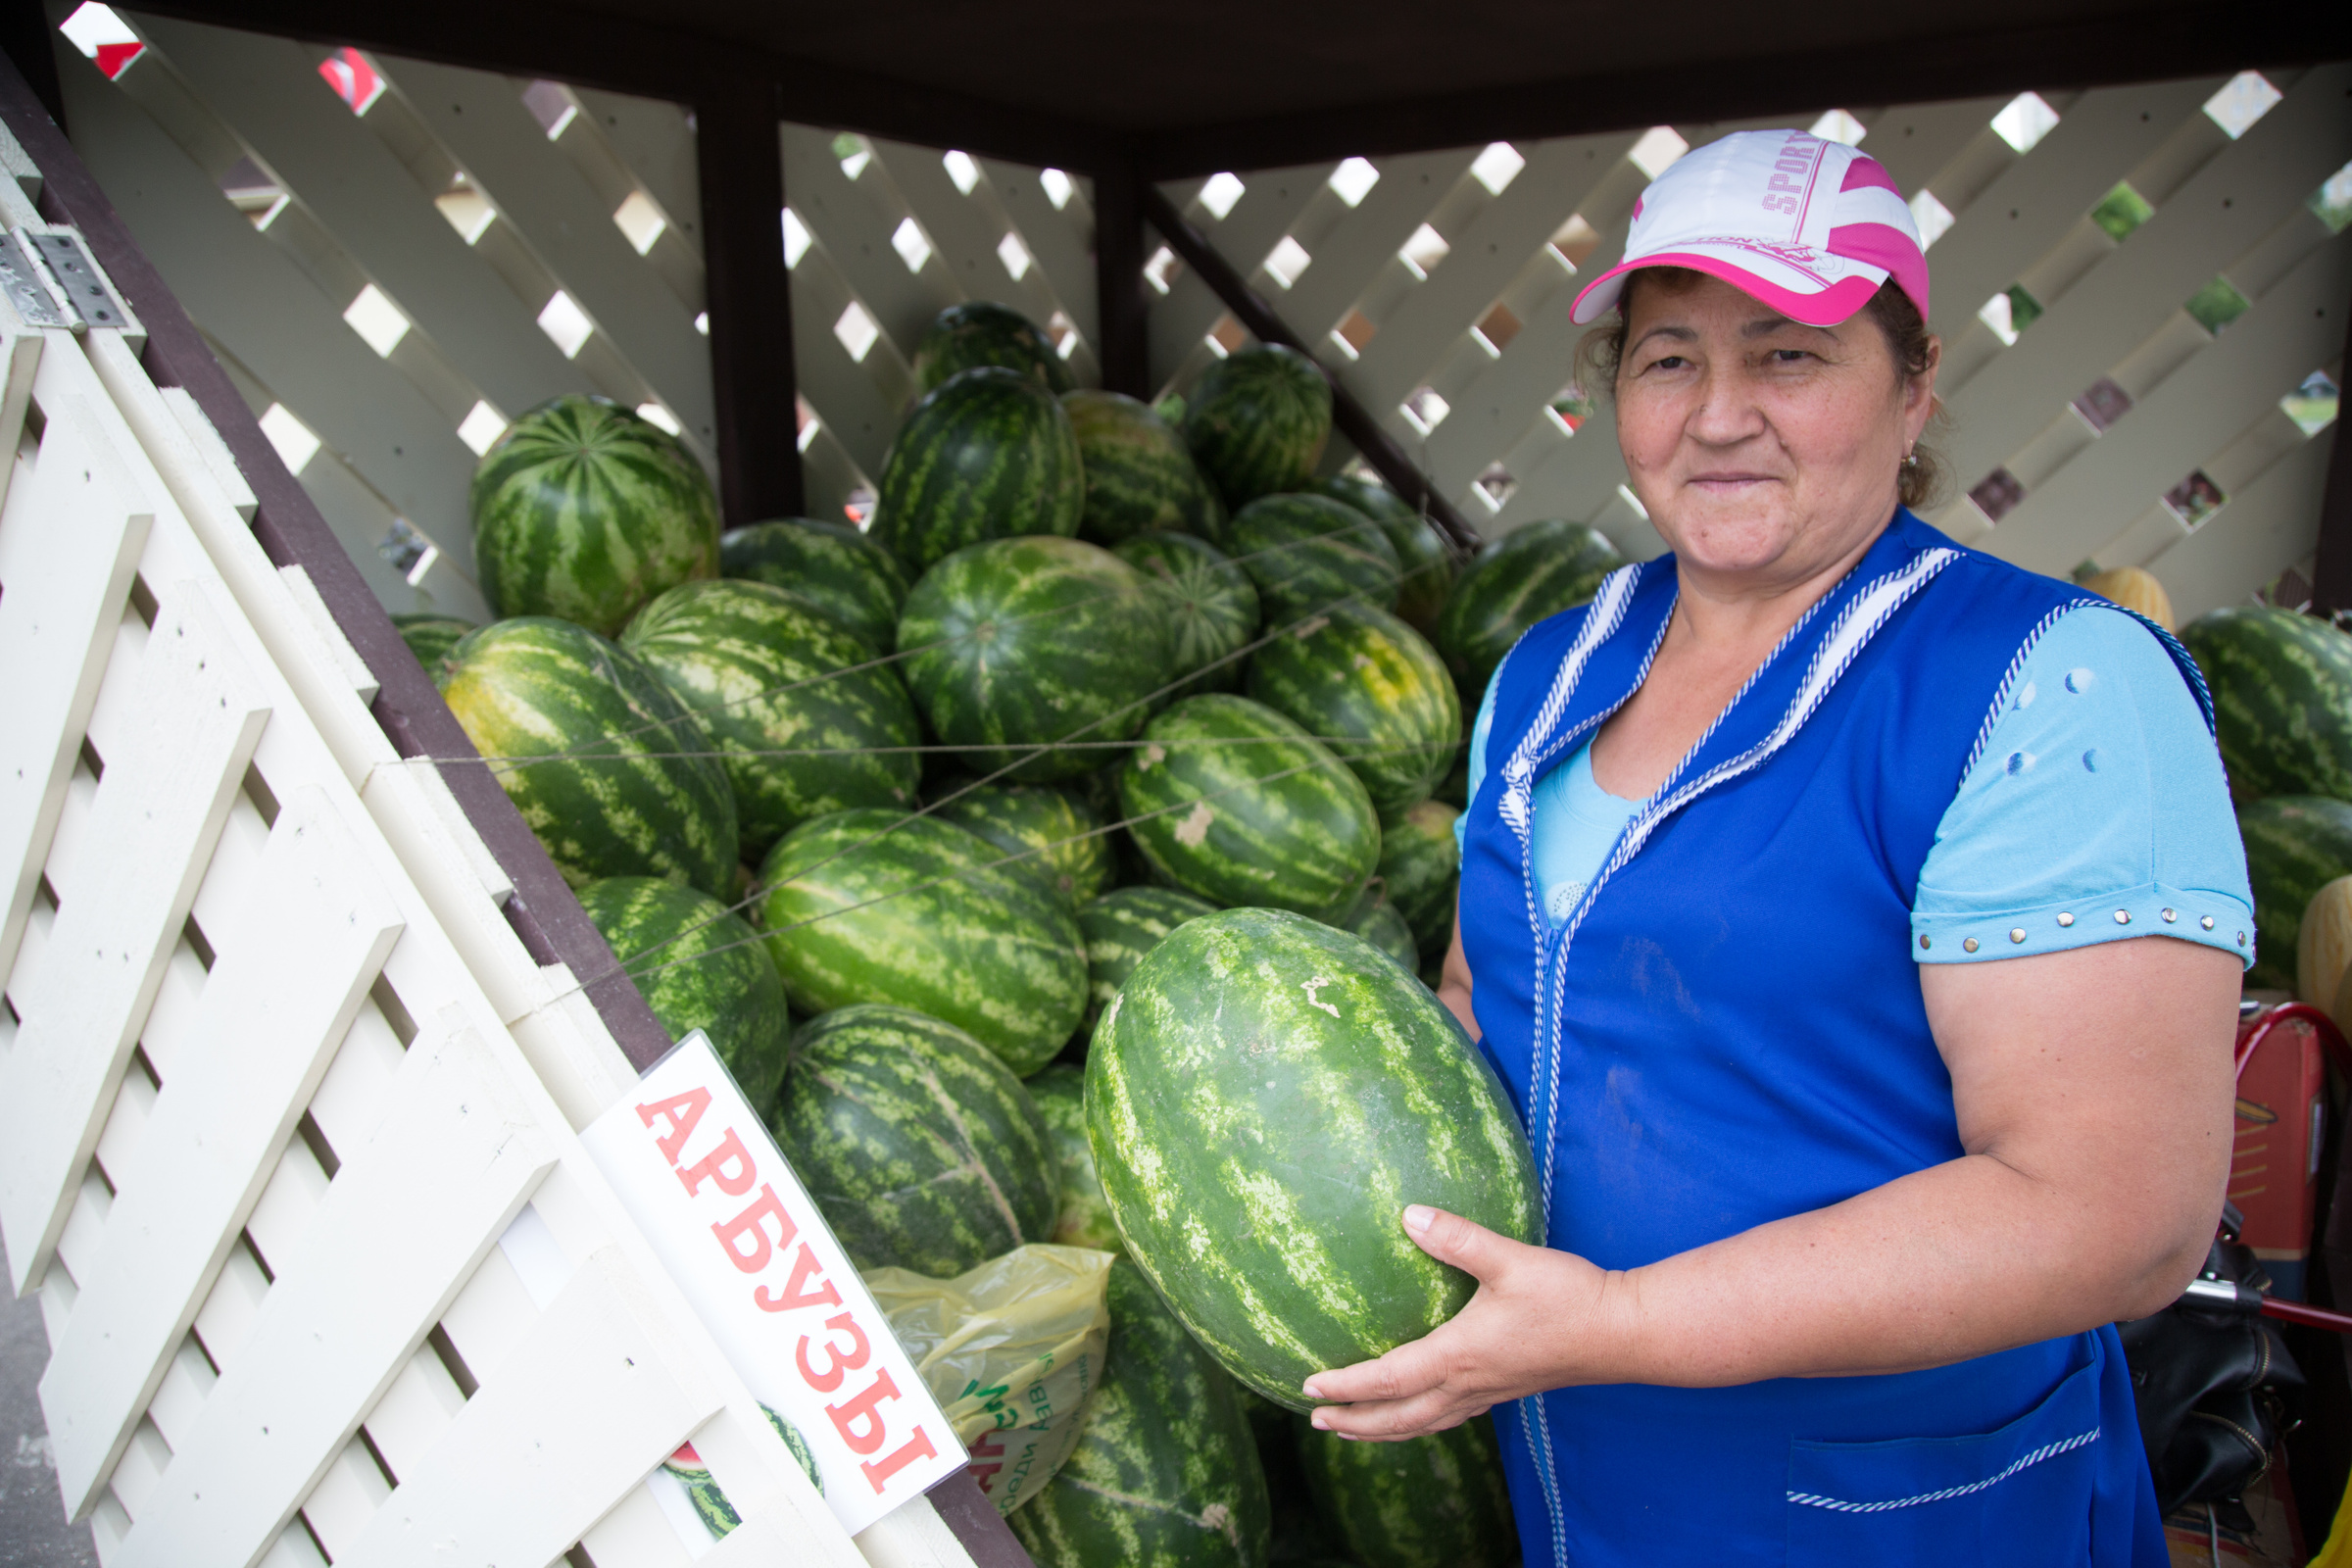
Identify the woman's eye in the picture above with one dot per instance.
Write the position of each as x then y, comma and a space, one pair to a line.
1670, 362
1790, 355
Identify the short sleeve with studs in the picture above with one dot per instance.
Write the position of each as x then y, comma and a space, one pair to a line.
2096, 810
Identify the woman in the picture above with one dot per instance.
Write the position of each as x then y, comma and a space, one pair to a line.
1808, 882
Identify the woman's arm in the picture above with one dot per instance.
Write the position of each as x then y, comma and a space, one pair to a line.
2093, 1091
1454, 986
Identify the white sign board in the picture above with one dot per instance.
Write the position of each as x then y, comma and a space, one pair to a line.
704, 1180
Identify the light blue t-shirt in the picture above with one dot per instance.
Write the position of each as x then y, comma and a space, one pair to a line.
2096, 811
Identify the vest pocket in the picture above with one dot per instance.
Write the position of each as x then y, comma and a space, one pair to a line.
2020, 1495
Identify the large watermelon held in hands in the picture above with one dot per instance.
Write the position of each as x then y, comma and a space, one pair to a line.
2281, 699
584, 509
1539, 570
610, 770
1166, 1474
1307, 553
1372, 689
1420, 866
1230, 800
922, 1149
1437, 1501
1017, 643
873, 905
1256, 422
829, 566
1425, 561
699, 966
1119, 928
805, 722
1062, 844
1212, 604
431, 637
1265, 1097
989, 455
980, 332
2295, 845
1060, 1095
1140, 476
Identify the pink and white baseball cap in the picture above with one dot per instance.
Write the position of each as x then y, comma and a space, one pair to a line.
1808, 226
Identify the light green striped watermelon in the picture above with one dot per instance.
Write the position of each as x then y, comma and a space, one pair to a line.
431, 637
1258, 421
1060, 1095
1212, 604
1017, 643
1139, 475
1165, 1473
628, 786
805, 724
1307, 553
585, 511
1539, 570
989, 455
1063, 846
1420, 866
1373, 690
873, 905
2282, 687
2295, 844
699, 966
1437, 1501
1265, 1097
828, 566
981, 332
1230, 800
1424, 560
1119, 928
922, 1149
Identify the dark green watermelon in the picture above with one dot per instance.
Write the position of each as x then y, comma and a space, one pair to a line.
1017, 643
828, 566
585, 511
1059, 839
1166, 1474
1539, 570
1264, 1096
1230, 800
1437, 1501
920, 1146
2282, 687
699, 966
2295, 844
806, 722
989, 455
1060, 1095
610, 770
431, 637
981, 332
1258, 421
1307, 553
1373, 690
1375, 919
1119, 928
1420, 866
1139, 475
1424, 560
1212, 604
876, 907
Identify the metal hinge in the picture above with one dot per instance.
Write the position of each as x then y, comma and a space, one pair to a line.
50, 277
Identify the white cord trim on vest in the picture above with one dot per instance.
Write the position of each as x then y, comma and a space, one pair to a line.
2046, 1451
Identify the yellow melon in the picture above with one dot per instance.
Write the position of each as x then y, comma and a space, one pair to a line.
2324, 949
2134, 588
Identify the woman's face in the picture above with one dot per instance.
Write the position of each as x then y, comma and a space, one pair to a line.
1765, 451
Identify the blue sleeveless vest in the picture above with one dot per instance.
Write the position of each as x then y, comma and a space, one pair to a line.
1727, 1030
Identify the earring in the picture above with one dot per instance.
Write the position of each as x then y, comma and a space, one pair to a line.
1910, 460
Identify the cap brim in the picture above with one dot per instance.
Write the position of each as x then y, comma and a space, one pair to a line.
1825, 305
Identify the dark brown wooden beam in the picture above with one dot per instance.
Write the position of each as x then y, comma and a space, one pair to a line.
2331, 577
740, 158
1124, 346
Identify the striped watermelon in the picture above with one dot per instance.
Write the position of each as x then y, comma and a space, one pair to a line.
1060, 1095
828, 566
1307, 553
1212, 604
1232, 801
1119, 928
1539, 570
1424, 560
1016, 643
1264, 1097
983, 332
628, 788
1420, 866
1437, 1501
1139, 475
2281, 699
873, 905
989, 455
1166, 1474
1373, 690
791, 700
699, 966
2295, 845
1257, 422
922, 1149
1064, 848
585, 511
431, 637
1374, 918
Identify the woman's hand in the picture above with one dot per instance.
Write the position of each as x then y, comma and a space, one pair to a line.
1540, 1320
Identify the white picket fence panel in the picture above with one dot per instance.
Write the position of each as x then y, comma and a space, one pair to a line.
276, 1077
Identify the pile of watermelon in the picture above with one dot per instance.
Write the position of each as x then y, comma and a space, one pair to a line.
1068, 856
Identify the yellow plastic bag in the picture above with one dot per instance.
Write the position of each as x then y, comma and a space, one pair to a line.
1010, 1351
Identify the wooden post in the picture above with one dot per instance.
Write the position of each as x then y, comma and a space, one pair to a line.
2331, 574
1125, 346
738, 136
26, 37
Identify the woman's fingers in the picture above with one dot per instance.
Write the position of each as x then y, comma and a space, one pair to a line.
1404, 1372
1398, 1420
1465, 1243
